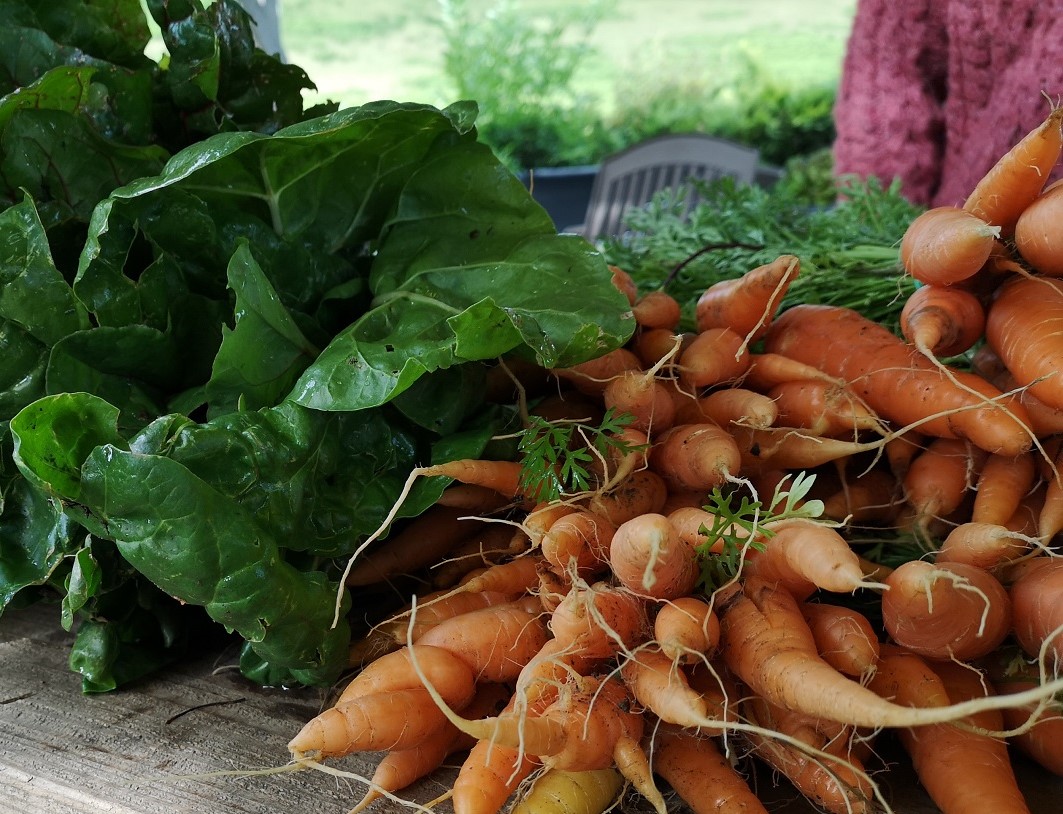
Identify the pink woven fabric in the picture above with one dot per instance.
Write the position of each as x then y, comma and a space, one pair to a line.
934, 92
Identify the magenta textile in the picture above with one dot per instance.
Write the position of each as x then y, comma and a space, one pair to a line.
934, 92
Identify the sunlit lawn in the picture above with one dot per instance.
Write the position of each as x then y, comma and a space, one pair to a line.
360, 50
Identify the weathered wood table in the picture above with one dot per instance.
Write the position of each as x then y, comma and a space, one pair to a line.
149, 749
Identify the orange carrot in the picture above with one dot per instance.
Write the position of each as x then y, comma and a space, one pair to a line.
654, 344
592, 376
1001, 484
496, 642
569, 405
939, 478
396, 719
625, 457
557, 666
698, 772
943, 754
493, 543
578, 543
503, 477
905, 678
489, 774
838, 786
470, 498
898, 382
1050, 514
844, 637
784, 448
643, 397
641, 492
691, 523
552, 589
803, 555
715, 356
648, 558
1013, 183
660, 686
949, 610
718, 687
683, 499
1045, 420
984, 545
394, 671
946, 244
871, 498
748, 303
942, 320
1037, 236
399, 768
624, 283
516, 577
1021, 327
422, 541
964, 770
1037, 598
822, 408
598, 621
657, 309
577, 732
435, 607
686, 629
1043, 741
901, 451
543, 515
766, 370
634, 765
1024, 520
735, 405
695, 456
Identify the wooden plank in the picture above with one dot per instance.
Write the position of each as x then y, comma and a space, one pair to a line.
148, 749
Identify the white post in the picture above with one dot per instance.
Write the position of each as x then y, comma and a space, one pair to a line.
266, 16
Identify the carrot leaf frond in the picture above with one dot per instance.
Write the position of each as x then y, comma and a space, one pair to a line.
738, 529
556, 456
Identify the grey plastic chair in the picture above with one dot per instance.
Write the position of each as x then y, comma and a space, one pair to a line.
633, 176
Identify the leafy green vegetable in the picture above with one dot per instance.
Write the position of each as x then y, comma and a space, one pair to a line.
231, 330
849, 252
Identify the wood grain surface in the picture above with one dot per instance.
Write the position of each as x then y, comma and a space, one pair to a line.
150, 748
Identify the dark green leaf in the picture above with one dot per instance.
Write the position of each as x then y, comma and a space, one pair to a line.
82, 584
33, 294
54, 435
60, 159
131, 367
262, 356
22, 363
35, 535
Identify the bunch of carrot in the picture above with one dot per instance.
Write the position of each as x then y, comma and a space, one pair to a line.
645, 629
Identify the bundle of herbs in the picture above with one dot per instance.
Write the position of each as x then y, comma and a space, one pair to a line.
232, 326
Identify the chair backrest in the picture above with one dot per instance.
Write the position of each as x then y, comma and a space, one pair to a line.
633, 176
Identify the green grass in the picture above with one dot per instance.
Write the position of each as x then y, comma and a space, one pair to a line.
358, 52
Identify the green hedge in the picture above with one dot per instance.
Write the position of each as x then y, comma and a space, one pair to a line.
520, 69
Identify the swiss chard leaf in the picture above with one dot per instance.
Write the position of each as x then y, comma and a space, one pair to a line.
262, 356
33, 294
181, 533
35, 536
